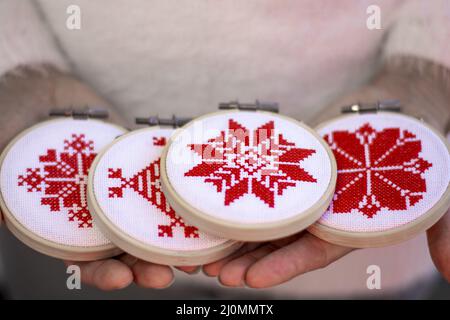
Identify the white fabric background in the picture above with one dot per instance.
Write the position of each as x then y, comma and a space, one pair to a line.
26, 206
437, 176
132, 214
247, 209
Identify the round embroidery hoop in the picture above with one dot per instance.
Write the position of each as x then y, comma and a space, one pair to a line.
381, 228
75, 240
172, 242
213, 214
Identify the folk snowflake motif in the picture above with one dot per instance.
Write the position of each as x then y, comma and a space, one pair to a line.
62, 179
259, 162
148, 185
377, 170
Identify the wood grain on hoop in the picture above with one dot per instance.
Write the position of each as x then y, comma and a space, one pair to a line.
391, 236
144, 250
264, 231
40, 244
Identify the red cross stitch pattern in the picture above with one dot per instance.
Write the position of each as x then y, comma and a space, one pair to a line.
62, 179
148, 185
377, 169
241, 162
159, 141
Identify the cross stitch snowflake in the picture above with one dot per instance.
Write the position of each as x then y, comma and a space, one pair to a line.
62, 179
148, 185
377, 169
240, 162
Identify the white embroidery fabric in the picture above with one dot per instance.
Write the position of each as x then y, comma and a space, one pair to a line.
41, 175
121, 186
262, 180
412, 176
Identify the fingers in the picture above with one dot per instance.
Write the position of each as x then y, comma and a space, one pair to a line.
232, 270
256, 265
213, 269
105, 274
232, 274
147, 274
439, 245
150, 275
306, 254
189, 269
113, 274
274, 263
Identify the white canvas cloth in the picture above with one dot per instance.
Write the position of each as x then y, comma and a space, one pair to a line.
127, 189
253, 180
388, 177
43, 179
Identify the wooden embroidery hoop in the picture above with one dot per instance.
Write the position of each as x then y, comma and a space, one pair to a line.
143, 250
250, 232
40, 244
394, 235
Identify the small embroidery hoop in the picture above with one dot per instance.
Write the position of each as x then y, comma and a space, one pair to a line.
250, 232
42, 245
143, 250
394, 235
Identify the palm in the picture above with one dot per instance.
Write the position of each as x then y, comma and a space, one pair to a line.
261, 265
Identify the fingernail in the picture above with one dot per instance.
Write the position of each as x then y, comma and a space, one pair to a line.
167, 286
240, 285
196, 271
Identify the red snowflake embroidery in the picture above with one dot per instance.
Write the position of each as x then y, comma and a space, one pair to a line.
148, 185
377, 169
241, 162
62, 179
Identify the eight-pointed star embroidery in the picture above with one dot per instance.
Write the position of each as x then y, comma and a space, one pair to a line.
377, 169
248, 176
240, 162
393, 179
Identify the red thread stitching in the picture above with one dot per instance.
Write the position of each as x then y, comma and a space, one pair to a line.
148, 185
240, 162
159, 141
377, 169
62, 178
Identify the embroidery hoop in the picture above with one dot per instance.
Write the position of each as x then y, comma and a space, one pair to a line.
138, 248
394, 235
38, 243
250, 232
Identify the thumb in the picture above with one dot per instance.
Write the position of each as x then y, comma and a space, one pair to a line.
439, 245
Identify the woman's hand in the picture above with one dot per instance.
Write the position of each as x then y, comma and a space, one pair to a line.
269, 264
26, 97
439, 245
422, 92
113, 274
